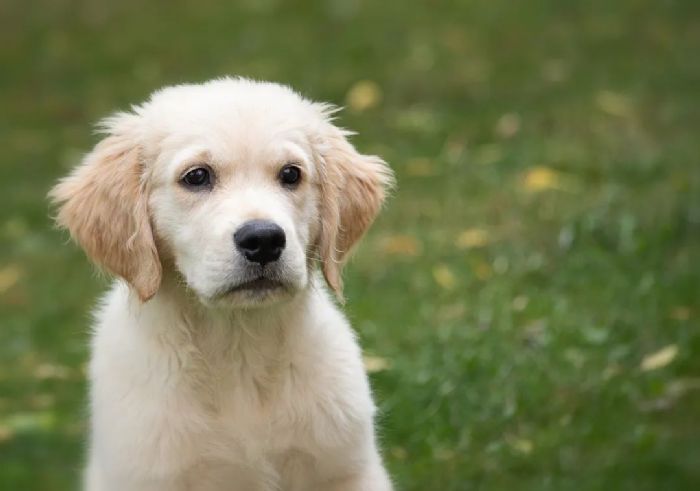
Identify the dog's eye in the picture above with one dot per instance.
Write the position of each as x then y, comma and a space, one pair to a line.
290, 175
197, 177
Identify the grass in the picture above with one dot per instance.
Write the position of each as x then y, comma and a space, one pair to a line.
530, 294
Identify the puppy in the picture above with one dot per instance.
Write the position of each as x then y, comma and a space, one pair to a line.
219, 359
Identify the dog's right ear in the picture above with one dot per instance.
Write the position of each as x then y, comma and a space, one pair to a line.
103, 203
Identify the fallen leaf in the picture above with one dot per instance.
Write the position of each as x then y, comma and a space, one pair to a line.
555, 71
613, 103
473, 237
520, 303
401, 245
542, 178
363, 95
659, 359
6, 433
680, 313
522, 445
444, 277
375, 364
9, 276
508, 125
50, 371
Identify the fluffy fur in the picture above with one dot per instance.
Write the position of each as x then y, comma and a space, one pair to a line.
197, 384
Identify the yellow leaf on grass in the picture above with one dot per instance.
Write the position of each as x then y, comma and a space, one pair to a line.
555, 71
51, 371
375, 364
541, 178
680, 313
659, 359
9, 276
508, 125
522, 445
6, 433
364, 95
444, 277
473, 237
613, 103
520, 303
401, 245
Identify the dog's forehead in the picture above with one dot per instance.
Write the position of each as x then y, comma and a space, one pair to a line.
226, 104
229, 115
227, 122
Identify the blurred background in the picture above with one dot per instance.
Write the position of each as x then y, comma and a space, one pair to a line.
528, 301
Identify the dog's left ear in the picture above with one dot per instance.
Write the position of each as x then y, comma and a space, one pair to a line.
353, 188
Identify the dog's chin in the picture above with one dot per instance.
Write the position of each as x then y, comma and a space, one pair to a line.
258, 292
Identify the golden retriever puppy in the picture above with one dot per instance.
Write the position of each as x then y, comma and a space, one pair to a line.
219, 359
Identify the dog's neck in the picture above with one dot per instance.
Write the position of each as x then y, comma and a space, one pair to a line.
249, 346
188, 320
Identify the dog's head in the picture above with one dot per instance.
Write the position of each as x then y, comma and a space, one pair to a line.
235, 186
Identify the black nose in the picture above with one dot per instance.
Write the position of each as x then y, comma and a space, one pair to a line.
260, 241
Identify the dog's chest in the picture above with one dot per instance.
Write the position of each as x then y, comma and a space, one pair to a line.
262, 419
256, 408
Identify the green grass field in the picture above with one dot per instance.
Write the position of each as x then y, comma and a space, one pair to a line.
528, 301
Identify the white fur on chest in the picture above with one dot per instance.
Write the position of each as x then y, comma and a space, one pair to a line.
189, 403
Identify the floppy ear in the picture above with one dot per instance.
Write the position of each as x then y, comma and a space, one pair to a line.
103, 203
353, 188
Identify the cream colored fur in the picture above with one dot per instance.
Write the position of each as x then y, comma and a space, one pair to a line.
195, 387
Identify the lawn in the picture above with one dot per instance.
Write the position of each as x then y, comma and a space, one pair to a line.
529, 299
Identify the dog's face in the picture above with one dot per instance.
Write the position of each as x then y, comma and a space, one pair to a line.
237, 204
237, 186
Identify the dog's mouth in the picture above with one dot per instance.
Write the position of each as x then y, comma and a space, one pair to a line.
257, 285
